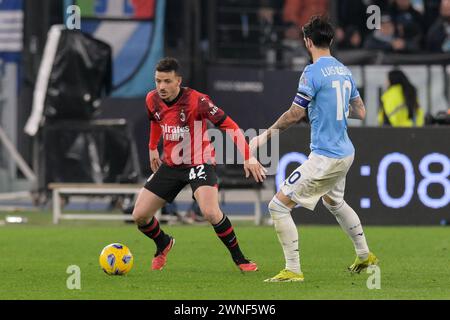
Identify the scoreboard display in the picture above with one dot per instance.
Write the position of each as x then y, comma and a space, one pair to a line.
399, 175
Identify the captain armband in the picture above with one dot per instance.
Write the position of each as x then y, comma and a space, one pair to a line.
302, 100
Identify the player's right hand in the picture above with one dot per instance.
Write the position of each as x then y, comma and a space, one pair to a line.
253, 144
257, 141
253, 167
155, 161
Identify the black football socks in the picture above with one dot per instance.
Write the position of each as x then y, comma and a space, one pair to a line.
153, 231
225, 232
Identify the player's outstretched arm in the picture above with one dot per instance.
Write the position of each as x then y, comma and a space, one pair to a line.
216, 115
287, 119
357, 110
251, 165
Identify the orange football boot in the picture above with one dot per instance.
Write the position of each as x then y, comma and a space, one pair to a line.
160, 259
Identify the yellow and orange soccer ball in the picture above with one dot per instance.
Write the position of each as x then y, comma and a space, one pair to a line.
116, 259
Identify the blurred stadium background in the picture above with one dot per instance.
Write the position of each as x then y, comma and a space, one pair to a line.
72, 104
74, 135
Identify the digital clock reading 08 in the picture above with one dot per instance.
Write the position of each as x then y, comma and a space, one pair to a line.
427, 177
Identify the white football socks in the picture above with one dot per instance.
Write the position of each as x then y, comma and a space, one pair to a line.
287, 233
350, 223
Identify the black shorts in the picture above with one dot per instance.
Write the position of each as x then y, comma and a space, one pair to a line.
167, 182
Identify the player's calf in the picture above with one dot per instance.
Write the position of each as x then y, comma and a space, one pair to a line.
154, 232
350, 223
287, 233
225, 232
207, 198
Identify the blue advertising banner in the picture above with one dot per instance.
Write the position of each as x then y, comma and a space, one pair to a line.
11, 30
134, 29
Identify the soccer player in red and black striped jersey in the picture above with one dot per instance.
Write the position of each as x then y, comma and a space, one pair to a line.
179, 115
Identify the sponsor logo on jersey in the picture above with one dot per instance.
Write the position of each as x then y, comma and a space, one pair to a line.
213, 109
174, 133
303, 81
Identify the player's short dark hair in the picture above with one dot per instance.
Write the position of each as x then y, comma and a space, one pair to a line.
168, 64
320, 31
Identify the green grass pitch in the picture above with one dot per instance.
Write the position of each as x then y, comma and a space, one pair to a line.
415, 263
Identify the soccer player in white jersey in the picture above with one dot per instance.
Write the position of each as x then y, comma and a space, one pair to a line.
328, 93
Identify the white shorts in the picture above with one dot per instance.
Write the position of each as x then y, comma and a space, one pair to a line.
316, 177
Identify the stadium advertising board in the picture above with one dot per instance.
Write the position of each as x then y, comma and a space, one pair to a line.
255, 97
134, 30
399, 176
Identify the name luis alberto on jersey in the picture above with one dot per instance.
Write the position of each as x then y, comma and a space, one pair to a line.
335, 70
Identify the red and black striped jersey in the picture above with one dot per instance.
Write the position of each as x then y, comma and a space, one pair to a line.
183, 125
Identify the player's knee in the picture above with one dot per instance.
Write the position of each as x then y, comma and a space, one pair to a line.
212, 215
137, 217
277, 209
332, 205
140, 217
327, 200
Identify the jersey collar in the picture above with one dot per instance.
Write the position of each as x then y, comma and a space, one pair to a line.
171, 103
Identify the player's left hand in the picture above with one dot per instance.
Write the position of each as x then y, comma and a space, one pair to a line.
253, 167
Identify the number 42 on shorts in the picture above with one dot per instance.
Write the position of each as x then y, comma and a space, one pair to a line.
197, 172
